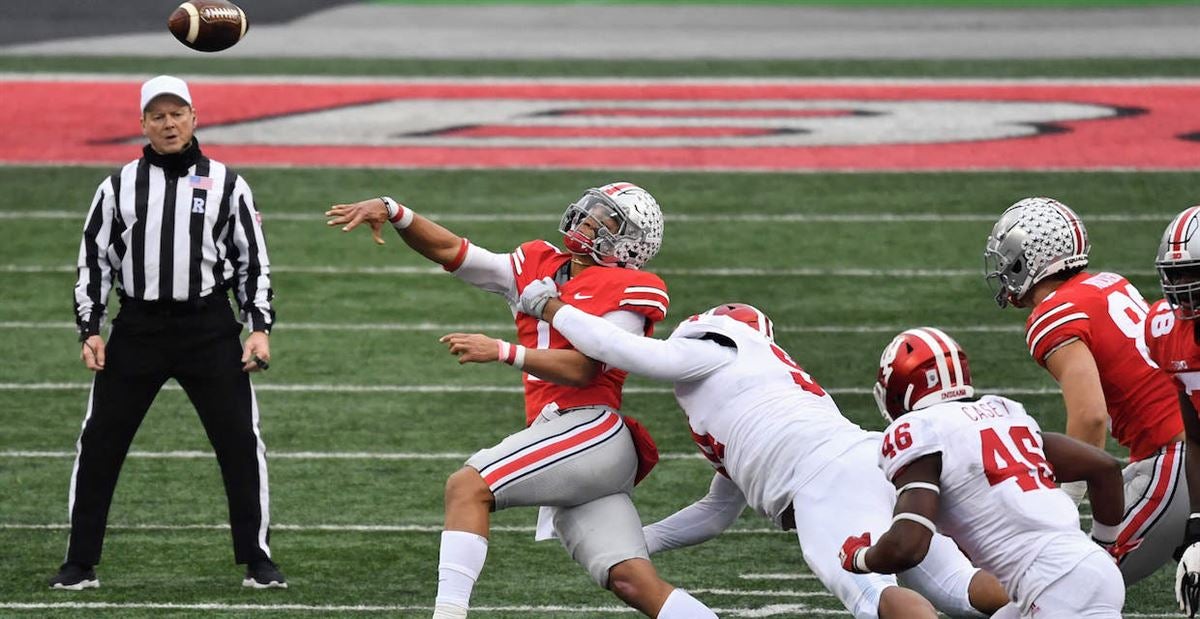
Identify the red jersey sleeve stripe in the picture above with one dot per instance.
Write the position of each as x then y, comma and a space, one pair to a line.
650, 290
645, 303
1033, 346
1033, 328
453, 265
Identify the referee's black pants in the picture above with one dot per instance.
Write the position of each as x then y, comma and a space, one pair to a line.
198, 345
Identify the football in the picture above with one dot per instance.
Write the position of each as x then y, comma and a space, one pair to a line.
208, 25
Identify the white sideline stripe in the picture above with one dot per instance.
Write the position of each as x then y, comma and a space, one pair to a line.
805, 218
318, 388
320, 528
54, 76
725, 272
498, 326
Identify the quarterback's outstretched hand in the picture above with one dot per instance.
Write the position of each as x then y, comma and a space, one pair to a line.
535, 296
1187, 580
853, 551
472, 347
373, 212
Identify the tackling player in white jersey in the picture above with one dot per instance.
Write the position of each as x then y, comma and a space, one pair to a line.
779, 444
982, 472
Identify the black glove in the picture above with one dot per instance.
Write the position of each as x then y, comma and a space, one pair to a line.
1191, 535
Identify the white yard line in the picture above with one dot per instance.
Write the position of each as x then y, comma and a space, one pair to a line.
322, 528
669, 272
773, 610
328, 388
803, 218
436, 327
785, 576
756, 593
295, 455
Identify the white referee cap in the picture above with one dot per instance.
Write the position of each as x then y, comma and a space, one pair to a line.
164, 85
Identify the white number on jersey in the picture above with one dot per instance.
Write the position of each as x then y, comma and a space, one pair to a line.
1162, 322
1128, 311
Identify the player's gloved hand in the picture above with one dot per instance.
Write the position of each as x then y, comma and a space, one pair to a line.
854, 549
535, 296
1187, 580
1191, 535
1075, 489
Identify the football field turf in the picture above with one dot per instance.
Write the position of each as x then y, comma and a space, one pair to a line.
364, 414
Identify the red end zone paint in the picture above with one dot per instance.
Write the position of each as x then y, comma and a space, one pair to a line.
679, 126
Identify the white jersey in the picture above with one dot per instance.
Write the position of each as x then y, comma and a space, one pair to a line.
999, 500
759, 410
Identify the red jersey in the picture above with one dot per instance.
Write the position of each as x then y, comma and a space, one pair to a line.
597, 290
1173, 346
1107, 313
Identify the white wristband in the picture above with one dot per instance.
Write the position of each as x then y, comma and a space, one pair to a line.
1105, 533
510, 354
400, 215
860, 560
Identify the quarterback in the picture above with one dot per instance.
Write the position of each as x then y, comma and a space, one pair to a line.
578, 456
1171, 338
1087, 330
780, 445
982, 472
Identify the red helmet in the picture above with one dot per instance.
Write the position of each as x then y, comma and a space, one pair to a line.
747, 314
919, 368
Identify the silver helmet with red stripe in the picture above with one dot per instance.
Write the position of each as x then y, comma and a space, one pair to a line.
919, 368
1178, 263
1034, 239
619, 224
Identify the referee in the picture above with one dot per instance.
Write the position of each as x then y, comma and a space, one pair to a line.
172, 232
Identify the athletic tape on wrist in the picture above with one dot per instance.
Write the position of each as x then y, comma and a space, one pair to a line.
510, 354
860, 560
1105, 533
917, 518
400, 215
919, 485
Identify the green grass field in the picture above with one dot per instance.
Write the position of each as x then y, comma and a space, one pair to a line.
364, 414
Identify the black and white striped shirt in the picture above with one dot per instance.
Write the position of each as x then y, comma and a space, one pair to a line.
173, 234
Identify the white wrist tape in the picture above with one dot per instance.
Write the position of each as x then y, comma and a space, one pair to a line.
400, 215
510, 354
917, 518
919, 485
860, 560
1105, 533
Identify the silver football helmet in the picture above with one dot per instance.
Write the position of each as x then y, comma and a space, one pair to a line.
628, 224
1035, 238
1178, 264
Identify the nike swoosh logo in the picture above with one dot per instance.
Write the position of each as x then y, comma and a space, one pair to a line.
581, 297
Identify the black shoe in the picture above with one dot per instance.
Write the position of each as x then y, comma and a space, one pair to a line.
75, 577
264, 574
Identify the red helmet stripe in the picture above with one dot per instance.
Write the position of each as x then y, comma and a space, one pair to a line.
952, 348
1181, 225
938, 353
1076, 231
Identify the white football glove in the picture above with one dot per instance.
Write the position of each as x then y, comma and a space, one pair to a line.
1074, 489
1187, 580
536, 294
